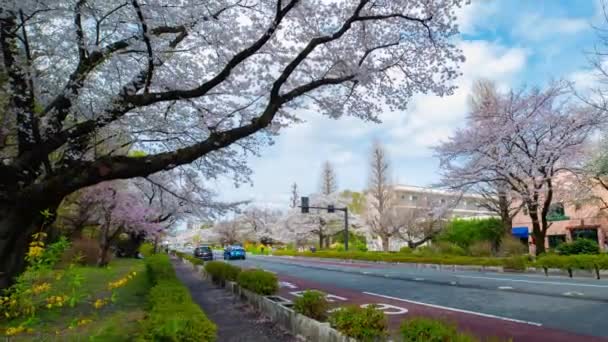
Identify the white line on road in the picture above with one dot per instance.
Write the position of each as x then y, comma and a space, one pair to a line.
534, 282
505, 288
455, 310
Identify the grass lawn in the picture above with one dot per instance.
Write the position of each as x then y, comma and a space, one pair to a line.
117, 320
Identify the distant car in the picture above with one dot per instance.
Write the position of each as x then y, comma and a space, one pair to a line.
234, 252
203, 252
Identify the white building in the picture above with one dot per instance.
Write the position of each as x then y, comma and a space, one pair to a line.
461, 205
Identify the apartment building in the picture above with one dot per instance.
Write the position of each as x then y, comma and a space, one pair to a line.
458, 204
461, 205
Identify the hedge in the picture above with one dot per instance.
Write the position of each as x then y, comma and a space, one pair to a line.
259, 281
172, 316
399, 257
363, 324
569, 263
312, 304
221, 272
421, 329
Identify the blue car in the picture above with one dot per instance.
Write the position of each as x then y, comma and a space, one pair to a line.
234, 252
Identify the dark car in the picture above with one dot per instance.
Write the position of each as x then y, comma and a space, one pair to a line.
203, 252
234, 252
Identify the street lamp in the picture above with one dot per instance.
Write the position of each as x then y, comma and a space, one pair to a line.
330, 209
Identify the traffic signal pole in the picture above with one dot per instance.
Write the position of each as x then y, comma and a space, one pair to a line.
330, 209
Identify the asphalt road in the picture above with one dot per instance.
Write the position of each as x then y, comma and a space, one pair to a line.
525, 307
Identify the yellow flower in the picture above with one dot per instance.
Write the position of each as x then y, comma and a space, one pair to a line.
37, 289
99, 303
14, 330
84, 321
35, 251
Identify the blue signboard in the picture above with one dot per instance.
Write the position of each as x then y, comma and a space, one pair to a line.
521, 232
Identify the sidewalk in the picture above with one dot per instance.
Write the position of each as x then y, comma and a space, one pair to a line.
236, 321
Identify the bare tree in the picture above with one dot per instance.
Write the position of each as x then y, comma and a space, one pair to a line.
381, 198
329, 181
294, 196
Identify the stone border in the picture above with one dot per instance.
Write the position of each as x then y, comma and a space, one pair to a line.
299, 325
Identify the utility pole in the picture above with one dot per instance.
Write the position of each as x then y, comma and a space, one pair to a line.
330, 209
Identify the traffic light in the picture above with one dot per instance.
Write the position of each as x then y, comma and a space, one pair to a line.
331, 208
304, 206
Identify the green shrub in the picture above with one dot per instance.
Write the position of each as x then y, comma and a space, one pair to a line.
481, 249
173, 316
578, 246
429, 330
515, 263
259, 281
510, 246
405, 250
222, 271
465, 232
312, 304
158, 267
363, 324
146, 249
448, 248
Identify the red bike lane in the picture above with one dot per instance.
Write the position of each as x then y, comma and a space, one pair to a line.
398, 309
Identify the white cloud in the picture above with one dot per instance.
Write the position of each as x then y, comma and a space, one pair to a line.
536, 27
300, 150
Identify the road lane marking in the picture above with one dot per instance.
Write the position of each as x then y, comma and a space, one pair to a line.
573, 293
533, 282
287, 284
418, 279
388, 308
455, 309
505, 288
330, 297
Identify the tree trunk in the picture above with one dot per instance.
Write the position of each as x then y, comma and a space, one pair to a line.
320, 241
104, 246
385, 243
16, 227
537, 232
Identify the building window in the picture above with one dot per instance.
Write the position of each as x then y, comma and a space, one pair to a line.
442, 201
413, 198
402, 197
585, 233
556, 212
525, 209
556, 240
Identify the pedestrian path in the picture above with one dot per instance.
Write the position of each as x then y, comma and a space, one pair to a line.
236, 321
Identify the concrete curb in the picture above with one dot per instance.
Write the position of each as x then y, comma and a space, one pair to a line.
299, 325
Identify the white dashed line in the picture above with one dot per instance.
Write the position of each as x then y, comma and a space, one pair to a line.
455, 310
505, 288
534, 282
573, 293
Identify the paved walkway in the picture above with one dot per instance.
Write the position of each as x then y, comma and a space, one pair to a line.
236, 321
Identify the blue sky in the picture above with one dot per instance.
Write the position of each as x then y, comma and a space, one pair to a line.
513, 42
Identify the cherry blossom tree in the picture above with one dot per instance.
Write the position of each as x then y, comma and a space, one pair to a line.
193, 85
260, 222
420, 222
119, 211
525, 139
